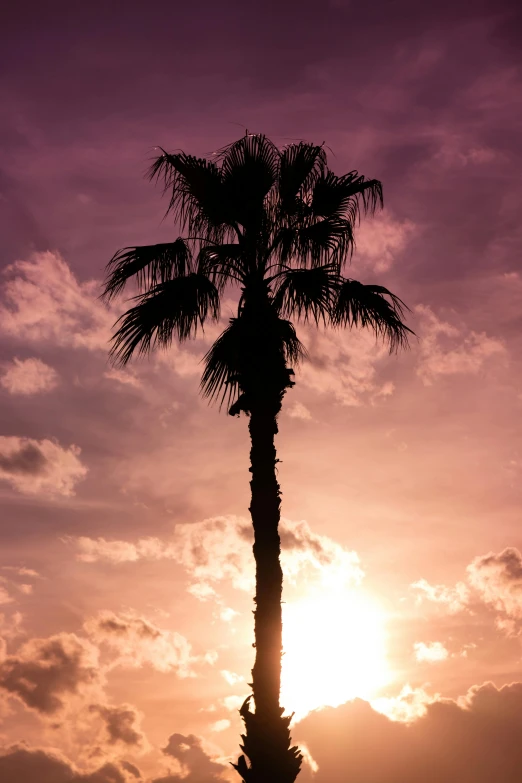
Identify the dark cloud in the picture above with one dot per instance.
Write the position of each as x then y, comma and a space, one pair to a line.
44, 673
28, 460
121, 724
197, 766
126, 765
475, 740
20, 764
126, 626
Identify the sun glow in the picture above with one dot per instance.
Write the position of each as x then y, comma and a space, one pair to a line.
334, 650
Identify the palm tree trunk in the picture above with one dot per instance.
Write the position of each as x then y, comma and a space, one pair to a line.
267, 738
265, 511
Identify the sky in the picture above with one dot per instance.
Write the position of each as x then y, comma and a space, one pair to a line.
125, 565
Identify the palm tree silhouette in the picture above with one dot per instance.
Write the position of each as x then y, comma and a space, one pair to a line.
279, 224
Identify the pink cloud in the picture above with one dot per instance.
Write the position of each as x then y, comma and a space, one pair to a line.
381, 240
454, 599
37, 765
121, 724
493, 582
345, 365
44, 674
475, 739
498, 580
446, 349
124, 377
193, 763
44, 301
28, 376
299, 411
5, 597
40, 467
219, 549
92, 550
137, 642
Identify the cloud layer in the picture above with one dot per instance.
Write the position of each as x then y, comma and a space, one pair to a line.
474, 740
34, 765
220, 549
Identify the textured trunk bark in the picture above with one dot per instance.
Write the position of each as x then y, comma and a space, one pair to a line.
265, 512
267, 738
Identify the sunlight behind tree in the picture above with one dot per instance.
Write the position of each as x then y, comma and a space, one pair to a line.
334, 647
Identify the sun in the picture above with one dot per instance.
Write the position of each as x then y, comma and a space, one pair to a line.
334, 646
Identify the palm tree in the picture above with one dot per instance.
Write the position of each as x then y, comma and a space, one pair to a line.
279, 224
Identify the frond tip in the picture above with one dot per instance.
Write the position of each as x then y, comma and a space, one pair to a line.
374, 307
175, 308
149, 265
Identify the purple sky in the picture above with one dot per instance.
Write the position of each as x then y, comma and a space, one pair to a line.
112, 482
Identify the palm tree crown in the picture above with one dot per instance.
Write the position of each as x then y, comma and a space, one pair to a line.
277, 223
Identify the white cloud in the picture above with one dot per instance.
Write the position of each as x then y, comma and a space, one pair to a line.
233, 702
227, 614
220, 725
299, 411
28, 376
448, 350
432, 652
231, 677
409, 705
40, 467
454, 599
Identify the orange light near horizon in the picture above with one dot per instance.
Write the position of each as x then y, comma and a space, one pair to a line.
335, 650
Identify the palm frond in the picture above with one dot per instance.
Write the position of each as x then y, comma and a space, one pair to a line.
221, 263
197, 198
249, 170
307, 293
223, 365
301, 165
373, 307
173, 309
148, 264
315, 244
341, 196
